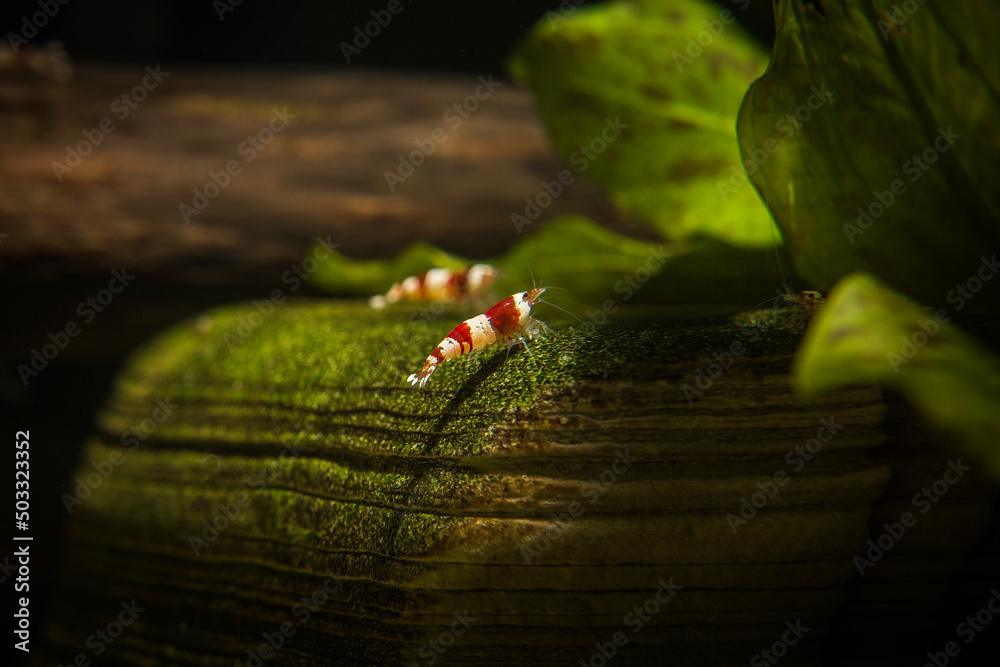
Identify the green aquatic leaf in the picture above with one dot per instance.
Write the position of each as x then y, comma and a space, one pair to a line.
342, 275
895, 171
589, 262
571, 252
642, 97
869, 334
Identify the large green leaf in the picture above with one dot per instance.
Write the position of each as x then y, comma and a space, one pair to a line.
662, 81
909, 137
589, 262
867, 333
573, 253
342, 275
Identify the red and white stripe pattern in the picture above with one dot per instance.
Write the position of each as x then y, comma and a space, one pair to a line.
810, 300
505, 323
466, 284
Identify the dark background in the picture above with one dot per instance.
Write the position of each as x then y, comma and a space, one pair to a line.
464, 37
425, 35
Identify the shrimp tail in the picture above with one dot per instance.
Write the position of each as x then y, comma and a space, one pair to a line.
420, 378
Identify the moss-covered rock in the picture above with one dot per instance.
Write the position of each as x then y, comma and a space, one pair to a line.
270, 471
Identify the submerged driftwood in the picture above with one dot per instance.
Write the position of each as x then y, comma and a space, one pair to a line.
275, 492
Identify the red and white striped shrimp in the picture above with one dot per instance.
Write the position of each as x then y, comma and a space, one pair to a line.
467, 284
506, 323
810, 300
788, 310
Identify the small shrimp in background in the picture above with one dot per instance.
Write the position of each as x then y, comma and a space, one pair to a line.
810, 300
799, 306
469, 284
507, 323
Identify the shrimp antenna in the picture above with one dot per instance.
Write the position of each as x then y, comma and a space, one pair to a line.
781, 272
774, 239
777, 256
573, 315
531, 272
780, 295
534, 283
777, 259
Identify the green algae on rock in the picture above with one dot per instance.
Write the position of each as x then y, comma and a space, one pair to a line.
543, 497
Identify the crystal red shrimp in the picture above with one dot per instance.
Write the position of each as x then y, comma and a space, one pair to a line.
506, 323
467, 284
810, 300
